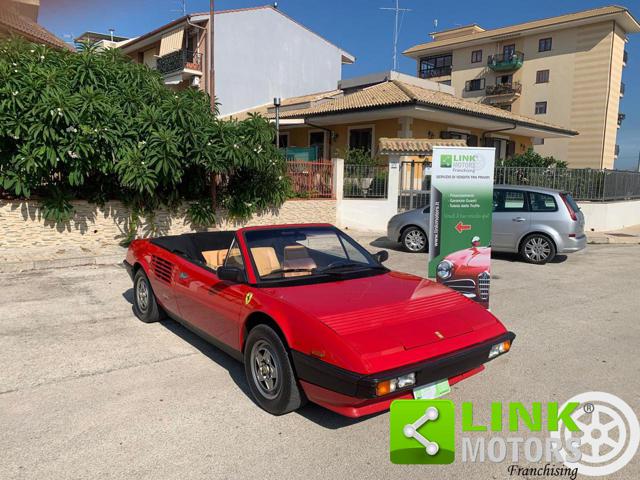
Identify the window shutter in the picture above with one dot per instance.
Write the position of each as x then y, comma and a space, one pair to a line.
511, 148
472, 140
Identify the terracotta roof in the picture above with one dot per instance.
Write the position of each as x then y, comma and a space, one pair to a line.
303, 100
13, 22
546, 22
396, 93
416, 146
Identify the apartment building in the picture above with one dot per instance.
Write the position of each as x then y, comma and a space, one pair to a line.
566, 70
259, 53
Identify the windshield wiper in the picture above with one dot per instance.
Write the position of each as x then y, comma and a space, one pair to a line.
289, 270
338, 267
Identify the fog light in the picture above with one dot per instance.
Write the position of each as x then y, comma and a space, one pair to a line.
499, 348
407, 380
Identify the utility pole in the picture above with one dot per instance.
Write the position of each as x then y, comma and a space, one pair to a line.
396, 30
210, 60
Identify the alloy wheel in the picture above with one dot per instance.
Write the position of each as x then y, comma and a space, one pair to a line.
264, 369
142, 295
415, 240
537, 249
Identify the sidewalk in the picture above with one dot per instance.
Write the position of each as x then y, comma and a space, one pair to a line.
22, 259
629, 235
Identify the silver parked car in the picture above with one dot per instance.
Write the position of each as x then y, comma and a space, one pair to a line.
533, 221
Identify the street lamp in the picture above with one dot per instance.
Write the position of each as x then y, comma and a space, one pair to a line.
276, 103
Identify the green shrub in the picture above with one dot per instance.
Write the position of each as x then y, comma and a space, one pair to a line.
98, 126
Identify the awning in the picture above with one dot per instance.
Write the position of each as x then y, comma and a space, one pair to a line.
416, 146
171, 42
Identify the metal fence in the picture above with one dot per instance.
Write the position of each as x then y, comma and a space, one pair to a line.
583, 184
415, 185
311, 179
365, 181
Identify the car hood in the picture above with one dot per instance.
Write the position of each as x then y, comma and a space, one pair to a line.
385, 313
471, 257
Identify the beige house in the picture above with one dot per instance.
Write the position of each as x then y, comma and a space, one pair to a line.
20, 17
565, 70
363, 110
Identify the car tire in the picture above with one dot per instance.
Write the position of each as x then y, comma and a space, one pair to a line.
537, 249
269, 372
414, 240
145, 306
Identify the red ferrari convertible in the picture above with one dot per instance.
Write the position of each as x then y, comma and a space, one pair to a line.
313, 315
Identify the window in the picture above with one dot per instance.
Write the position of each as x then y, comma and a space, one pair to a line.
508, 51
436, 66
476, 56
509, 201
283, 140
234, 257
361, 138
506, 107
542, 76
541, 108
445, 82
474, 85
504, 80
541, 202
544, 44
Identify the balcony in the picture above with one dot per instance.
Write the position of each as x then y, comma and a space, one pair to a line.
617, 151
505, 63
514, 88
621, 117
625, 57
621, 89
179, 61
435, 72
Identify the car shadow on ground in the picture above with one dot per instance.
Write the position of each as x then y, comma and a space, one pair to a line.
315, 413
384, 242
514, 257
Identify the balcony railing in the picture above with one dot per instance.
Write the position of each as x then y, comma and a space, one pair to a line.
502, 63
514, 88
617, 150
621, 117
435, 72
622, 89
625, 57
179, 60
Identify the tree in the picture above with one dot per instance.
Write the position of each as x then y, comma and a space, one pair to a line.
97, 126
533, 159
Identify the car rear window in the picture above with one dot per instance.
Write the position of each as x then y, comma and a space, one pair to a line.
572, 203
542, 202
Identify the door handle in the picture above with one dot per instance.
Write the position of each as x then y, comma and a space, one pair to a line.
183, 276
519, 219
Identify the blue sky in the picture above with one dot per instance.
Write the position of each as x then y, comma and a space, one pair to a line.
361, 28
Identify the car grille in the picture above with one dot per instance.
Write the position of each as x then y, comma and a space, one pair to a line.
483, 285
464, 286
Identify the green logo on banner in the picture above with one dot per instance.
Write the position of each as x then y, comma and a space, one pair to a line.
422, 431
446, 161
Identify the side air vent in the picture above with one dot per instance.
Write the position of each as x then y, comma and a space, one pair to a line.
162, 268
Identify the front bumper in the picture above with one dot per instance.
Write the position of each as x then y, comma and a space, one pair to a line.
358, 387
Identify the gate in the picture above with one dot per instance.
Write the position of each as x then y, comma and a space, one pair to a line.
415, 185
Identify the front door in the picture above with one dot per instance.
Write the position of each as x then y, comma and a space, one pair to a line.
510, 218
508, 51
209, 304
316, 139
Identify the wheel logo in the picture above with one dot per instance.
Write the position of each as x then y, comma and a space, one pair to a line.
609, 434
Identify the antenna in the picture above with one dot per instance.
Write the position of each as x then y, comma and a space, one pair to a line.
111, 30
182, 8
396, 30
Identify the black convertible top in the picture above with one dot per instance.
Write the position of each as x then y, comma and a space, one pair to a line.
192, 244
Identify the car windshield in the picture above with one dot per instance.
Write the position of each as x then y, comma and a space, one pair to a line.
286, 253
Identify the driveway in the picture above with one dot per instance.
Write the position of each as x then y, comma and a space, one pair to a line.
88, 391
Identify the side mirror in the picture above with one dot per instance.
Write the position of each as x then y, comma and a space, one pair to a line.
381, 256
231, 274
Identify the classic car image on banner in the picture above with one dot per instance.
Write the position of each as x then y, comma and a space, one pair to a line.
461, 212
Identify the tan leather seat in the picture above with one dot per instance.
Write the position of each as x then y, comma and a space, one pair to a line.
265, 259
214, 258
297, 257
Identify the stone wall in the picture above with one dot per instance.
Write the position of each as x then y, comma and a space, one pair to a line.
22, 225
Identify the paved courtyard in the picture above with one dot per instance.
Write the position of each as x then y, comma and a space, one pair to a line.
88, 391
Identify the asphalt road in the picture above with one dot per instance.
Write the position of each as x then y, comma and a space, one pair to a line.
88, 391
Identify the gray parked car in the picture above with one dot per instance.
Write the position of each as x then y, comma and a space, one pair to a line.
535, 222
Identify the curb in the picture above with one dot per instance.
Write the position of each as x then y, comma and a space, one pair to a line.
18, 267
